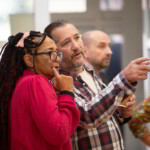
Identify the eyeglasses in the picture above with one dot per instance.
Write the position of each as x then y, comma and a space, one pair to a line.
52, 55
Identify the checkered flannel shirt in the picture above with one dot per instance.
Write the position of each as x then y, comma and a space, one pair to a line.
99, 121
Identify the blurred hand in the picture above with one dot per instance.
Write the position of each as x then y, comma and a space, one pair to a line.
63, 82
137, 70
128, 99
129, 102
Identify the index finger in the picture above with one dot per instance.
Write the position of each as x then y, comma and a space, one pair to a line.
56, 73
141, 60
146, 62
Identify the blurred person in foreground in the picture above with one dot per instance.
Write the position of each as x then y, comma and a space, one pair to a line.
139, 121
97, 103
38, 118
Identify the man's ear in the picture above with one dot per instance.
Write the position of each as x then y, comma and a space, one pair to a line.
28, 59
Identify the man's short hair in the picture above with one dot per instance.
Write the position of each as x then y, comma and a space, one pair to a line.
48, 30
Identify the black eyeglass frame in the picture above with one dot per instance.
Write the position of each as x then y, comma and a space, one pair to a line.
58, 54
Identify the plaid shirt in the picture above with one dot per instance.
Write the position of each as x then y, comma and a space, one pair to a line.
99, 127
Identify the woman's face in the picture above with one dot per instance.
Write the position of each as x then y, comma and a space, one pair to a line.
42, 61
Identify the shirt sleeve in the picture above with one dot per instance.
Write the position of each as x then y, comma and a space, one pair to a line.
56, 118
104, 104
120, 118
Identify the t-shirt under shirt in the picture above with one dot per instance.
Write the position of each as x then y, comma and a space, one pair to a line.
87, 77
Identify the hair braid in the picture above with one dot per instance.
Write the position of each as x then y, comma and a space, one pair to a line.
11, 67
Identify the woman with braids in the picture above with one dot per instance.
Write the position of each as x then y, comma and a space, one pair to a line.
31, 113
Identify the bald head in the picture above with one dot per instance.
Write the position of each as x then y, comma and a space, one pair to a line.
90, 36
97, 49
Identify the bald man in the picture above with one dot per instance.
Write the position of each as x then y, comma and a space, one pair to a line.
98, 53
98, 49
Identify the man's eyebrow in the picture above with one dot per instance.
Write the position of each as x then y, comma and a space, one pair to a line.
51, 48
77, 34
102, 42
64, 40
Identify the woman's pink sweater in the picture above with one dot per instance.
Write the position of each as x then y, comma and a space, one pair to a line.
41, 120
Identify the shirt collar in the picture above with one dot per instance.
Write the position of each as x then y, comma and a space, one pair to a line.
86, 66
29, 72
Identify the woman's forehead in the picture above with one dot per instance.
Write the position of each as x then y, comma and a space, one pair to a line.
48, 43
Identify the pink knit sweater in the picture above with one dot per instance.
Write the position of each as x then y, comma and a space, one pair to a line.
41, 120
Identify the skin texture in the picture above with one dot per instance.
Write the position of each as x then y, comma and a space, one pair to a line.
97, 49
42, 63
129, 102
63, 83
137, 69
71, 44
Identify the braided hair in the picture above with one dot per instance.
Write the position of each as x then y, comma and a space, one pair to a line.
12, 66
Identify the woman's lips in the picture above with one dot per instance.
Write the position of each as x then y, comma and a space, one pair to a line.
57, 67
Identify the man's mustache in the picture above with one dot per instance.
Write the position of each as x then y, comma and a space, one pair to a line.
77, 53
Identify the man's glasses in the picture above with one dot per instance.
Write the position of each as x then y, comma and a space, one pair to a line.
52, 55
